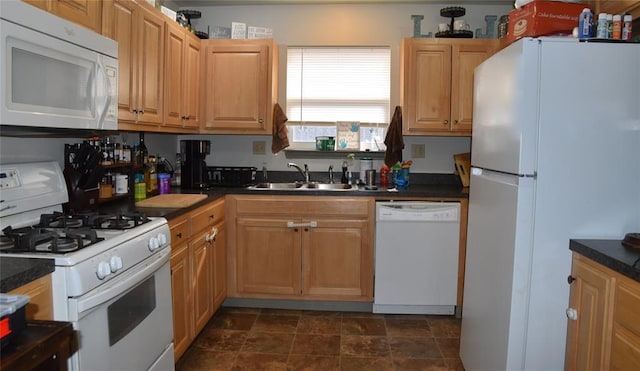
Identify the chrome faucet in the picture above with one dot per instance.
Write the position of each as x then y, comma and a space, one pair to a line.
304, 173
331, 174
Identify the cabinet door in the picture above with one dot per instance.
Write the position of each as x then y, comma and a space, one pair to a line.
465, 58
183, 328
625, 339
87, 13
267, 257
428, 79
237, 80
174, 69
219, 266
201, 280
337, 260
191, 76
587, 342
40, 306
120, 24
150, 64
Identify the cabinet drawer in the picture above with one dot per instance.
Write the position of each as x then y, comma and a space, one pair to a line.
208, 216
179, 233
626, 306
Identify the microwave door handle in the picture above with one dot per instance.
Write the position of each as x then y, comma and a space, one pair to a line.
106, 92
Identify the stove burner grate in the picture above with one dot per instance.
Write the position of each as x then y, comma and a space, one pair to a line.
35, 239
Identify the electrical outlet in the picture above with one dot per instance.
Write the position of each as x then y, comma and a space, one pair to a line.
417, 151
259, 147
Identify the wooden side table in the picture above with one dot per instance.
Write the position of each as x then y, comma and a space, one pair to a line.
42, 345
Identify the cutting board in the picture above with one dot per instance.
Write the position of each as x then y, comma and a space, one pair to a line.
171, 201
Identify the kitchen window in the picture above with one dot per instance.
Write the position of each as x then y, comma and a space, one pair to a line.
326, 85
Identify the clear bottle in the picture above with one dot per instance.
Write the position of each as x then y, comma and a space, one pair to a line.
152, 185
627, 20
602, 29
177, 172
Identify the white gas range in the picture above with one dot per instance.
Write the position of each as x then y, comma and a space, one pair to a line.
111, 277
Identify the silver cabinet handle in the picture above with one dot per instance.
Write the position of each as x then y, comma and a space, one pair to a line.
312, 224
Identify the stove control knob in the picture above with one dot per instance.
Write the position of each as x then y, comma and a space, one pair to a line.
162, 238
103, 270
153, 244
115, 263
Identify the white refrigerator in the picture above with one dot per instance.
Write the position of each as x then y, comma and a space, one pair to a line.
555, 155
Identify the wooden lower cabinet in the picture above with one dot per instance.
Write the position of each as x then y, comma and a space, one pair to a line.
198, 271
39, 291
300, 247
604, 333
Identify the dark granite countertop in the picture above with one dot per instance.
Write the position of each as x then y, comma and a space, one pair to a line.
442, 188
610, 253
16, 272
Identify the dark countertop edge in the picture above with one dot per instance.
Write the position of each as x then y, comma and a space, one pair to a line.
413, 193
16, 272
609, 253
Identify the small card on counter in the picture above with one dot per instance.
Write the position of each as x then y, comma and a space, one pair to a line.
260, 33
348, 135
238, 30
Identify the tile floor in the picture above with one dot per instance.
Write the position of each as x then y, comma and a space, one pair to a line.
272, 339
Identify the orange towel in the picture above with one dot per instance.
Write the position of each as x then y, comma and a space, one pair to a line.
393, 140
280, 139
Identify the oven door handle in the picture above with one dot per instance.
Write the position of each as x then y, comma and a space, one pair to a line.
123, 283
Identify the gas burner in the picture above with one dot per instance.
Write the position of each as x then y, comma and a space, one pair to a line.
6, 243
61, 245
61, 220
120, 221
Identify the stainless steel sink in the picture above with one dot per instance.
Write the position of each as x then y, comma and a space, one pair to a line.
274, 186
298, 186
329, 186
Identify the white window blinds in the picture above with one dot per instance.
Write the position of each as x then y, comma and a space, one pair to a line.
329, 84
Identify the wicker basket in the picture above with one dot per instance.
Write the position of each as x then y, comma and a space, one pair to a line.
463, 167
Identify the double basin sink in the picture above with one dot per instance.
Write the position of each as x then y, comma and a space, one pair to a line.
300, 186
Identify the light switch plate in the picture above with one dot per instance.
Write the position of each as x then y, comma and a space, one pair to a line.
259, 147
417, 151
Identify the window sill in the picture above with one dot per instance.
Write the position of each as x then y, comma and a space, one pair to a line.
309, 153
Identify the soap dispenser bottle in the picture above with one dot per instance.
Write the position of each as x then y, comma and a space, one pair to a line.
345, 179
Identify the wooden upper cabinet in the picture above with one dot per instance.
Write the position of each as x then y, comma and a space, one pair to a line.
139, 30
182, 78
437, 84
240, 86
87, 13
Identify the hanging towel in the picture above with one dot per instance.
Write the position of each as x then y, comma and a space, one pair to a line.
280, 137
393, 140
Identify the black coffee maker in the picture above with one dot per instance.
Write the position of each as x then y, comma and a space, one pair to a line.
194, 167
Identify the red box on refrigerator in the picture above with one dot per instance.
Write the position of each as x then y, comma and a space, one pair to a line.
543, 18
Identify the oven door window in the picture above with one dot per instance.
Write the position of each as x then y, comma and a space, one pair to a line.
125, 314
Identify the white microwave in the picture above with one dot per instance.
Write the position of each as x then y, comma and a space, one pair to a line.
54, 73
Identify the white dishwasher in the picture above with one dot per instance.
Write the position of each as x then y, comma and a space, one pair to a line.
416, 257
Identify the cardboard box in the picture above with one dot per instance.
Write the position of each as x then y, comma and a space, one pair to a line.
543, 18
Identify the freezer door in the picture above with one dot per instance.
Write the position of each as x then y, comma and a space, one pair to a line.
505, 110
496, 290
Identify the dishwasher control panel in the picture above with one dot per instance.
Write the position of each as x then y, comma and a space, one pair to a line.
419, 211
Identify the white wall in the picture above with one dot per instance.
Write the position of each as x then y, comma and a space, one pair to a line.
339, 24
